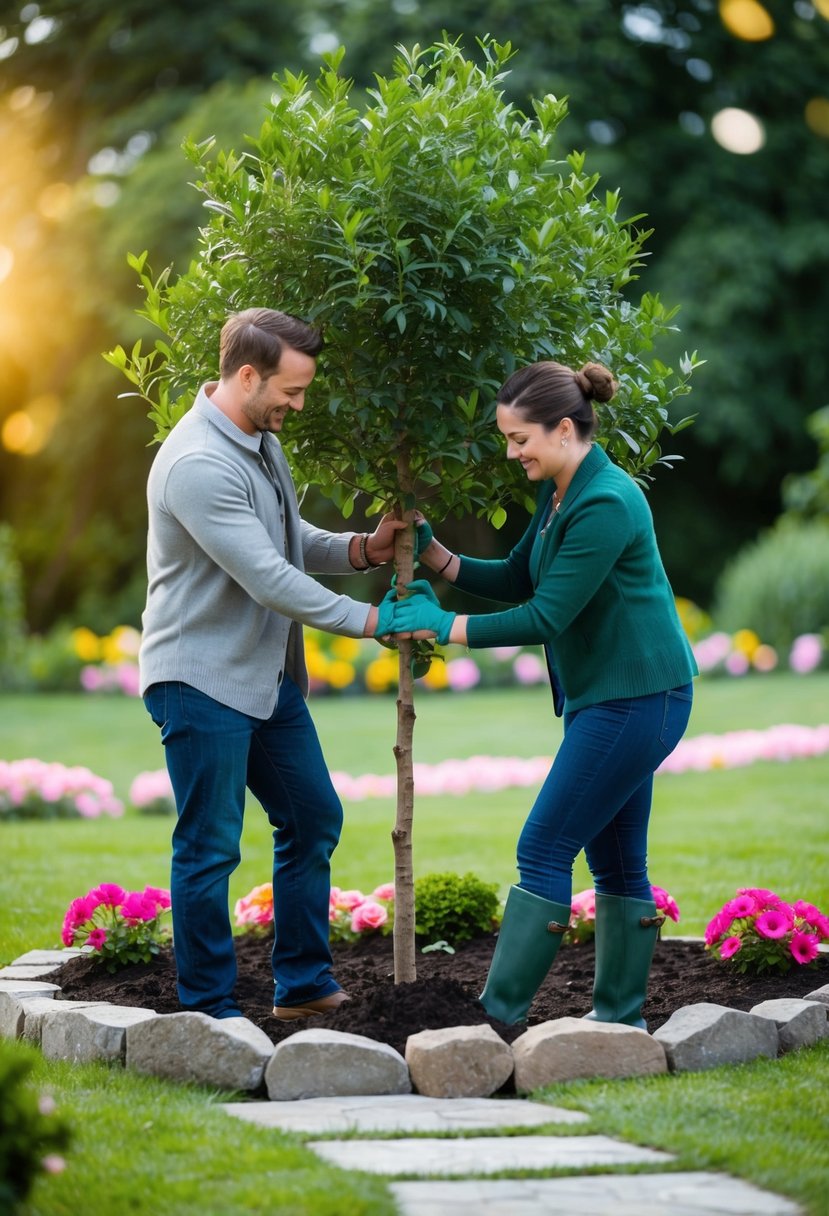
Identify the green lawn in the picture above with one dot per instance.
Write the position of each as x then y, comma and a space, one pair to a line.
150, 1147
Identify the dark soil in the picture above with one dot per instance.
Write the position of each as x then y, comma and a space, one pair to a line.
446, 990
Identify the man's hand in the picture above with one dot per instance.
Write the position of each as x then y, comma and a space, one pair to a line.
380, 542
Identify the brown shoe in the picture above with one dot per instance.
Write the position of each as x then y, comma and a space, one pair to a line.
325, 1004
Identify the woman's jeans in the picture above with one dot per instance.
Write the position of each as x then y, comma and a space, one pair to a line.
597, 796
213, 753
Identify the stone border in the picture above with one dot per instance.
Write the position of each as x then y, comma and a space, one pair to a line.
455, 1062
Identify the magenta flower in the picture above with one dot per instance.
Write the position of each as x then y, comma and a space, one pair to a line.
763, 897
137, 907
97, 938
742, 905
665, 902
804, 947
730, 946
159, 895
109, 893
772, 923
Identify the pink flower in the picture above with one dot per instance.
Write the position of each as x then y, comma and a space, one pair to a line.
529, 669
742, 905
160, 895
368, 915
822, 926
730, 946
665, 902
462, 674
256, 908
109, 893
67, 934
583, 904
350, 899
807, 912
762, 895
717, 926
737, 664
384, 891
804, 947
97, 938
806, 653
137, 907
772, 923
53, 1164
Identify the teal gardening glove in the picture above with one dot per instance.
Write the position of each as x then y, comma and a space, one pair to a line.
418, 612
385, 614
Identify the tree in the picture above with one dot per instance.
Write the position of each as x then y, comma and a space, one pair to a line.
438, 245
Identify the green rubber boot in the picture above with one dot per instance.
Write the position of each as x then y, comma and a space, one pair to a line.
530, 936
626, 933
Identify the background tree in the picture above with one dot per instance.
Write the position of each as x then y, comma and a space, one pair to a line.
438, 244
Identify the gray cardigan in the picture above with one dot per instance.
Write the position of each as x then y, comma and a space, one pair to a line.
227, 552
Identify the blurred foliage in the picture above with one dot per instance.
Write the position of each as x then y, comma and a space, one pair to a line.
95, 99
778, 586
806, 495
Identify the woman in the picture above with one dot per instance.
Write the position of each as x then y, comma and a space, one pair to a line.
589, 585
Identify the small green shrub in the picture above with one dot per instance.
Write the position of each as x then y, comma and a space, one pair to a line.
453, 908
779, 585
32, 1133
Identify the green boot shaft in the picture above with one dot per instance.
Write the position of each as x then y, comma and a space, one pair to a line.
626, 933
530, 935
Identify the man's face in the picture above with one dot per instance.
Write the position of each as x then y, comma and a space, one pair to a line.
269, 399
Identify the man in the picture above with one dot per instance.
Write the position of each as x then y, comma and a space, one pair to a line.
222, 667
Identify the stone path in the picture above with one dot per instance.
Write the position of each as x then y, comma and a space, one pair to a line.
540, 1149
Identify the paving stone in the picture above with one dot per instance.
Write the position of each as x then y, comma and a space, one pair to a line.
56, 957
323, 1063
800, 1023
483, 1154
27, 971
28, 988
687, 1194
230, 1053
30, 1013
83, 1035
703, 1036
569, 1048
458, 1061
401, 1113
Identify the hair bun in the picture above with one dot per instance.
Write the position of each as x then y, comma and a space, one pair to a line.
596, 382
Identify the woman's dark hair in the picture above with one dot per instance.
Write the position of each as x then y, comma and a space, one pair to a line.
547, 392
257, 336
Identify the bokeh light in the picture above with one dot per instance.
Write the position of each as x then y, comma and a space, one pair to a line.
822, 7
27, 431
738, 131
816, 115
747, 19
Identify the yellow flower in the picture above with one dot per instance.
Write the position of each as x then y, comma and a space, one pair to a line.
347, 649
340, 674
746, 641
110, 650
381, 674
436, 677
87, 644
316, 663
127, 640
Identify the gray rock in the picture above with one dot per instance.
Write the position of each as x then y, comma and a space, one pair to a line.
27, 971
324, 1063
703, 1036
31, 1013
799, 1022
41, 957
569, 1048
28, 988
819, 994
458, 1061
230, 1053
82, 1035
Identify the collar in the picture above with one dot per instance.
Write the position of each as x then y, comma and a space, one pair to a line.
593, 463
205, 407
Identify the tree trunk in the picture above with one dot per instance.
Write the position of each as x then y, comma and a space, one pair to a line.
405, 971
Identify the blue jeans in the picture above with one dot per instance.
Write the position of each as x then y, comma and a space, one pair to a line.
597, 796
213, 752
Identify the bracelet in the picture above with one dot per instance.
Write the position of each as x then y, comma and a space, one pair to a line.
368, 564
445, 564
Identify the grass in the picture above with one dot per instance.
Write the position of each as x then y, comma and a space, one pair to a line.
766, 1122
158, 1147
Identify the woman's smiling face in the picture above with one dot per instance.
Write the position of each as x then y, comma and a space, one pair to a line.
540, 452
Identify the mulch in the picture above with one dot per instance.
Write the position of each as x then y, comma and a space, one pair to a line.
446, 989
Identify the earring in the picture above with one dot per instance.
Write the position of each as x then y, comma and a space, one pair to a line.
564, 443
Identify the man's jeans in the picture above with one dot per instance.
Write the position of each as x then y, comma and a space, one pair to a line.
213, 753
597, 796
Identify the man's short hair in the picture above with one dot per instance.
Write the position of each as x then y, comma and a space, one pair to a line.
257, 336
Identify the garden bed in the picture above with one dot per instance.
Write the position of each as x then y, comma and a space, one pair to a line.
446, 990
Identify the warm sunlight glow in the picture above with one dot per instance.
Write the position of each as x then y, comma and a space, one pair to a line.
26, 432
822, 7
746, 19
816, 115
738, 131
6, 262
55, 200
